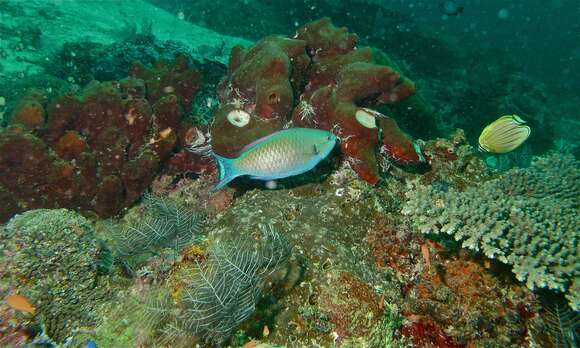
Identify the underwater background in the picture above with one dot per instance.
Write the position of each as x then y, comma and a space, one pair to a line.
161, 184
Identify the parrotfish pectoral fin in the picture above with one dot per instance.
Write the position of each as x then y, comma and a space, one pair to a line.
316, 151
227, 171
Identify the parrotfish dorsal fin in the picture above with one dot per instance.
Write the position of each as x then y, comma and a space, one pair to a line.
258, 141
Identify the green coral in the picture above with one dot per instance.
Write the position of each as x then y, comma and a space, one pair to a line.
56, 264
527, 218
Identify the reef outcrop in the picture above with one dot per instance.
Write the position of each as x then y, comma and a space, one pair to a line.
526, 218
316, 79
59, 265
101, 148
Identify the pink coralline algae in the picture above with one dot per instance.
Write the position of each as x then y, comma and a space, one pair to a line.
317, 79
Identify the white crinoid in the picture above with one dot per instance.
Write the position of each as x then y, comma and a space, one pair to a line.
306, 110
200, 143
238, 103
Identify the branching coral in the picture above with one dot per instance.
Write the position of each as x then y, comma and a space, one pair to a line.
527, 218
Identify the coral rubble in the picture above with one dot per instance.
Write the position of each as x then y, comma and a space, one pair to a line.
528, 218
98, 150
316, 79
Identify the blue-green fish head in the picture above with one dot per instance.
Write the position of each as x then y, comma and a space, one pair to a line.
326, 144
279, 155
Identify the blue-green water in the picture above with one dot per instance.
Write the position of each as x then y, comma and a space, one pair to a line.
445, 216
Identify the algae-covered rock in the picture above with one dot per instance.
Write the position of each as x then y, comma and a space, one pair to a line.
55, 262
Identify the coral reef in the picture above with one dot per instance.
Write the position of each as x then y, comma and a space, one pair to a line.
358, 274
99, 150
527, 218
52, 257
222, 291
559, 324
450, 299
352, 263
165, 224
228, 284
316, 79
375, 262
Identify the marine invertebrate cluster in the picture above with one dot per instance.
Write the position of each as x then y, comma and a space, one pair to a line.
316, 79
100, 149
228, 285
165, 225
560, 322
224, 289
52, 257
528, 218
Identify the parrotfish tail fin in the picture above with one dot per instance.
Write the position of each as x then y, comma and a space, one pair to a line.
227, 171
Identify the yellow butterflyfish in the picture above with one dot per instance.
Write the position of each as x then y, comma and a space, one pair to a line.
504, 134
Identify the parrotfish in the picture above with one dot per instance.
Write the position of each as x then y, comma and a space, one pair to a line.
279, 155
504, 134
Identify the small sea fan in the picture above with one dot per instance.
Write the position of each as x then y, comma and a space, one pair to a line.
563, 323
228, 285
165, 225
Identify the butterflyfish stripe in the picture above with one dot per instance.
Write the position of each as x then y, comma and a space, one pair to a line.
502, 129
506, 132
513, 141
505, 136
506, 125
512, 129
502, 121
519, 132
515, 132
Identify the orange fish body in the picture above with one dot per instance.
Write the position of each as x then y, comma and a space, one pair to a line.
20, 303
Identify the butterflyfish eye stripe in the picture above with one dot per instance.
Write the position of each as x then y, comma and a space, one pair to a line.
518, 119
